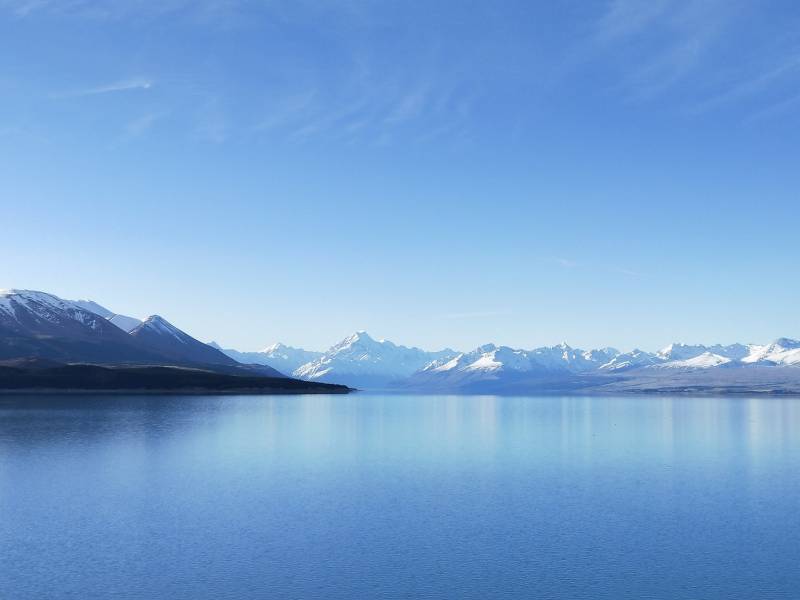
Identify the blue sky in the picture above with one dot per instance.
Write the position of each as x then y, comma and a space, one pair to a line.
439, 173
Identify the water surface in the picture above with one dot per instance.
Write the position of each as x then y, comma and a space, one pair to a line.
369, 496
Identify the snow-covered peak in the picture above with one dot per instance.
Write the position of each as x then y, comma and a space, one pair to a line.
289, 353
276, 347
706, 360
783, 351
157, 321
278, 356
559, 357
444, 364
359, 357
631, 360
786, 344
32, 306
677, 351
31, 297
159, 335
360, 339
158, 324
600, 355
459, 360
502, 358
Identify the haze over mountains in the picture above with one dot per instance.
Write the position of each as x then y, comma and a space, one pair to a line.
363, 362
40, 326
278, 356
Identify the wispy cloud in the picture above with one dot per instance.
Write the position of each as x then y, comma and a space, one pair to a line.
305, 97
141, 125
753, 85
623, 18
23, 8
125, 85
664, 41
564, 263
408, 106
287, 111
773, 110
206, 10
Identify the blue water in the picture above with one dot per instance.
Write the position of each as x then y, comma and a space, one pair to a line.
399, 497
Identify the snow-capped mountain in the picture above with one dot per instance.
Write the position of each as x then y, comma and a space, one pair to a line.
635, 359
362, 361
706, 360
782, 351
502, 365
161, 336
493, 369
682, 352
127, 324
37, 324
278, 356
491, 358
564, 357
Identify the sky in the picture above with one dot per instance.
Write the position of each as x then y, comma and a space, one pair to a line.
615, 172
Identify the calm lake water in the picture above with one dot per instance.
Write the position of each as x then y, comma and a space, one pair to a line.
369, 496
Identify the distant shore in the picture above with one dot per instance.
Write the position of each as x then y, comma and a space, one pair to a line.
173, 392
97, 379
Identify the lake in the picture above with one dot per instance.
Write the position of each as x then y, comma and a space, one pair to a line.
370, 496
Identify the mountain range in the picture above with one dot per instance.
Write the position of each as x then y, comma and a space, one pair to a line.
363, 362
42, 336
39, 330
278, 356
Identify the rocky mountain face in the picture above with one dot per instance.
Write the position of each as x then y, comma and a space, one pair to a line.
37, 325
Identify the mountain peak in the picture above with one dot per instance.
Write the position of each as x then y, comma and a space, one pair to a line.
679, 351
276, 347
786, 343
158, 334
361, 335
158, 321
359, 338
72, 331
158, 324
361, 361
45, 307
33, 295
